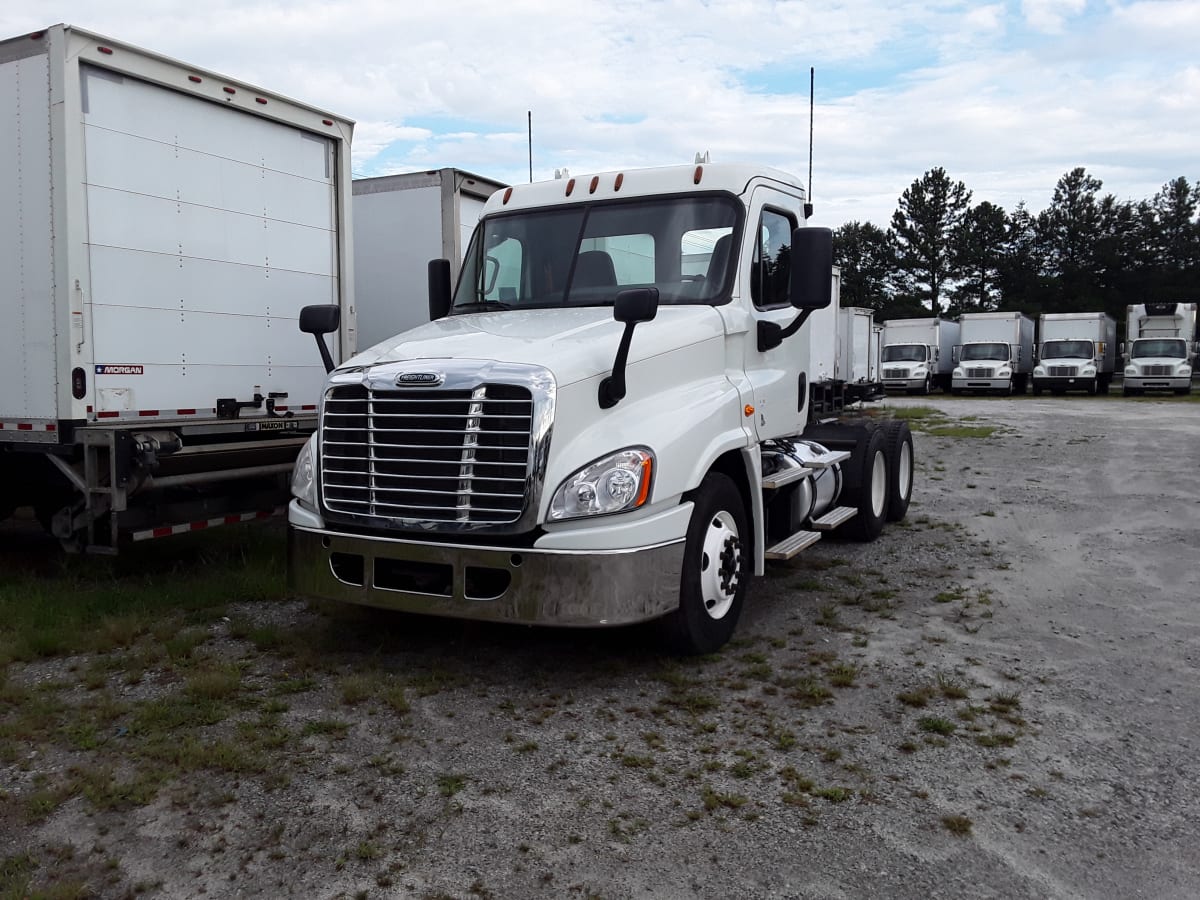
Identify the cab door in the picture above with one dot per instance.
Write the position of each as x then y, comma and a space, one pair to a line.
779, 393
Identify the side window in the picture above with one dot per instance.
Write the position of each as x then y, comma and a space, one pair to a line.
502, 271
771, 268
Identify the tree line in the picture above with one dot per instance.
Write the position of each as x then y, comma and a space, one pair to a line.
942, 255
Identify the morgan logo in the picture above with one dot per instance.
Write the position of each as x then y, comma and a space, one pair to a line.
419, 379
118, 370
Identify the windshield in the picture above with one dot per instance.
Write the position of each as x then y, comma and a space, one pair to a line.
1170, 347
984, 351
904, 353
586, 255
1067, 350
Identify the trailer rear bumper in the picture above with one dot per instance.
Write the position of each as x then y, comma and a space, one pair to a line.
502, 584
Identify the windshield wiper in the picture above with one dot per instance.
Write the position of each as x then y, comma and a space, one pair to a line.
479, 306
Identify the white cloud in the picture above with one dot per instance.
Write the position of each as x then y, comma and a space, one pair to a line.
1050, 15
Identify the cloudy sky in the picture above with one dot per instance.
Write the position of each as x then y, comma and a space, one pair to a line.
1005, 96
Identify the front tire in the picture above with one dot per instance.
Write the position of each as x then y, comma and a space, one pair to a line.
898, 440
712, 585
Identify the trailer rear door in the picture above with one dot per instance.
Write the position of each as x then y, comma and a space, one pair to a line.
208, 229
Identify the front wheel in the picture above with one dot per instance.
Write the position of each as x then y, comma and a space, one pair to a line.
715, 572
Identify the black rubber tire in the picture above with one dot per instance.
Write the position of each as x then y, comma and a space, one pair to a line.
1037, 390
719, 517
871, 503
898, 440
925, 388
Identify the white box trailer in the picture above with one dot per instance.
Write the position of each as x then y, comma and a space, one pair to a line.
858, 353
818, 356
400, 223
918, 354
1077, 352
161, 226
995, 353
1162, 340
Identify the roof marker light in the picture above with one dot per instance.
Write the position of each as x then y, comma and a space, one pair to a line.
327, 121
595, 184
620, 180
699, 174
229, 90
37, 35
507, 195
260, 100
570, 186
105, 50
195, 79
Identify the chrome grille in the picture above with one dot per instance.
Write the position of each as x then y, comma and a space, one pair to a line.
979, 373
1062, 371
429, 455
895, 373
1159, 371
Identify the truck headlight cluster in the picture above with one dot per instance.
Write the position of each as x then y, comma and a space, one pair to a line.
304, 474
958, 373
1004, 372
1131, 370
1185, 369
1088, 370
614, 483
1039, 371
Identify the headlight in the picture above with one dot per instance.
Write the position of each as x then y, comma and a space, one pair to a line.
918, 372
304, 475
615, 483
1039, 370
1185, 369
958, 373
1088, 370
1003, 373
1131, 370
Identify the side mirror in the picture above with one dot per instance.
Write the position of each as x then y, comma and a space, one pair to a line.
439, 289
811, 277
321, 320
630, 307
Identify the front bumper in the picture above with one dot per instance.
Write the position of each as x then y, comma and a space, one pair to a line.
903, 384
1062, 383
500, 584
1157, 382
980, 384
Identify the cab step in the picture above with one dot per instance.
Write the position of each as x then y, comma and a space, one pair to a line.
832, 458
834, 518
786, 477
790, 546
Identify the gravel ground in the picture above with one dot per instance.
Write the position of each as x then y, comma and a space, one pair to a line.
995, 699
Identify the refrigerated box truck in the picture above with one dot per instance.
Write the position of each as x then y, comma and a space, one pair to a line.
918, 354
1162, 341
1077, 352
995, 353
400, 223
161, 227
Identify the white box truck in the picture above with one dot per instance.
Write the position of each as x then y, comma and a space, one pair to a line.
918, 354
1077, 352
161, 227
858, 354
604, 423
400, 223
995, 353
1162, 342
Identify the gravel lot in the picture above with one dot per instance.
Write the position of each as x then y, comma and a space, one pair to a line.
995, 699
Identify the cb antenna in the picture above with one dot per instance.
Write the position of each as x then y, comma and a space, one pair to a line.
808, 207
529, 118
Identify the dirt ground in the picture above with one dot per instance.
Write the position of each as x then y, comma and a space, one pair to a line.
997, 698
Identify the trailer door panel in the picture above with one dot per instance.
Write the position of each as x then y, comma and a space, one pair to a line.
208, 229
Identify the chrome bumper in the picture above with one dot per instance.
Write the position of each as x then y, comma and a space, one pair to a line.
500, 584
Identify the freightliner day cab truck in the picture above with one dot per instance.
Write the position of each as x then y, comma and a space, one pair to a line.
1078, 352
161, 229
1161, 347
995, 354
918, 354
606, 422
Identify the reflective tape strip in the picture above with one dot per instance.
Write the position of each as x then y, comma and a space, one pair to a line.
28, 426
202, 524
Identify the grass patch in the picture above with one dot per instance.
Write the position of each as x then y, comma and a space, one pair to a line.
936, 725
957, 825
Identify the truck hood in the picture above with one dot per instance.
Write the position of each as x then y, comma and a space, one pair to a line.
574, 344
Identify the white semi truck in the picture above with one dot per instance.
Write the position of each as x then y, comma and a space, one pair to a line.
995, 353
162, 227
604, 424
400, 223
918, 354
1162, 344
1078, 352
